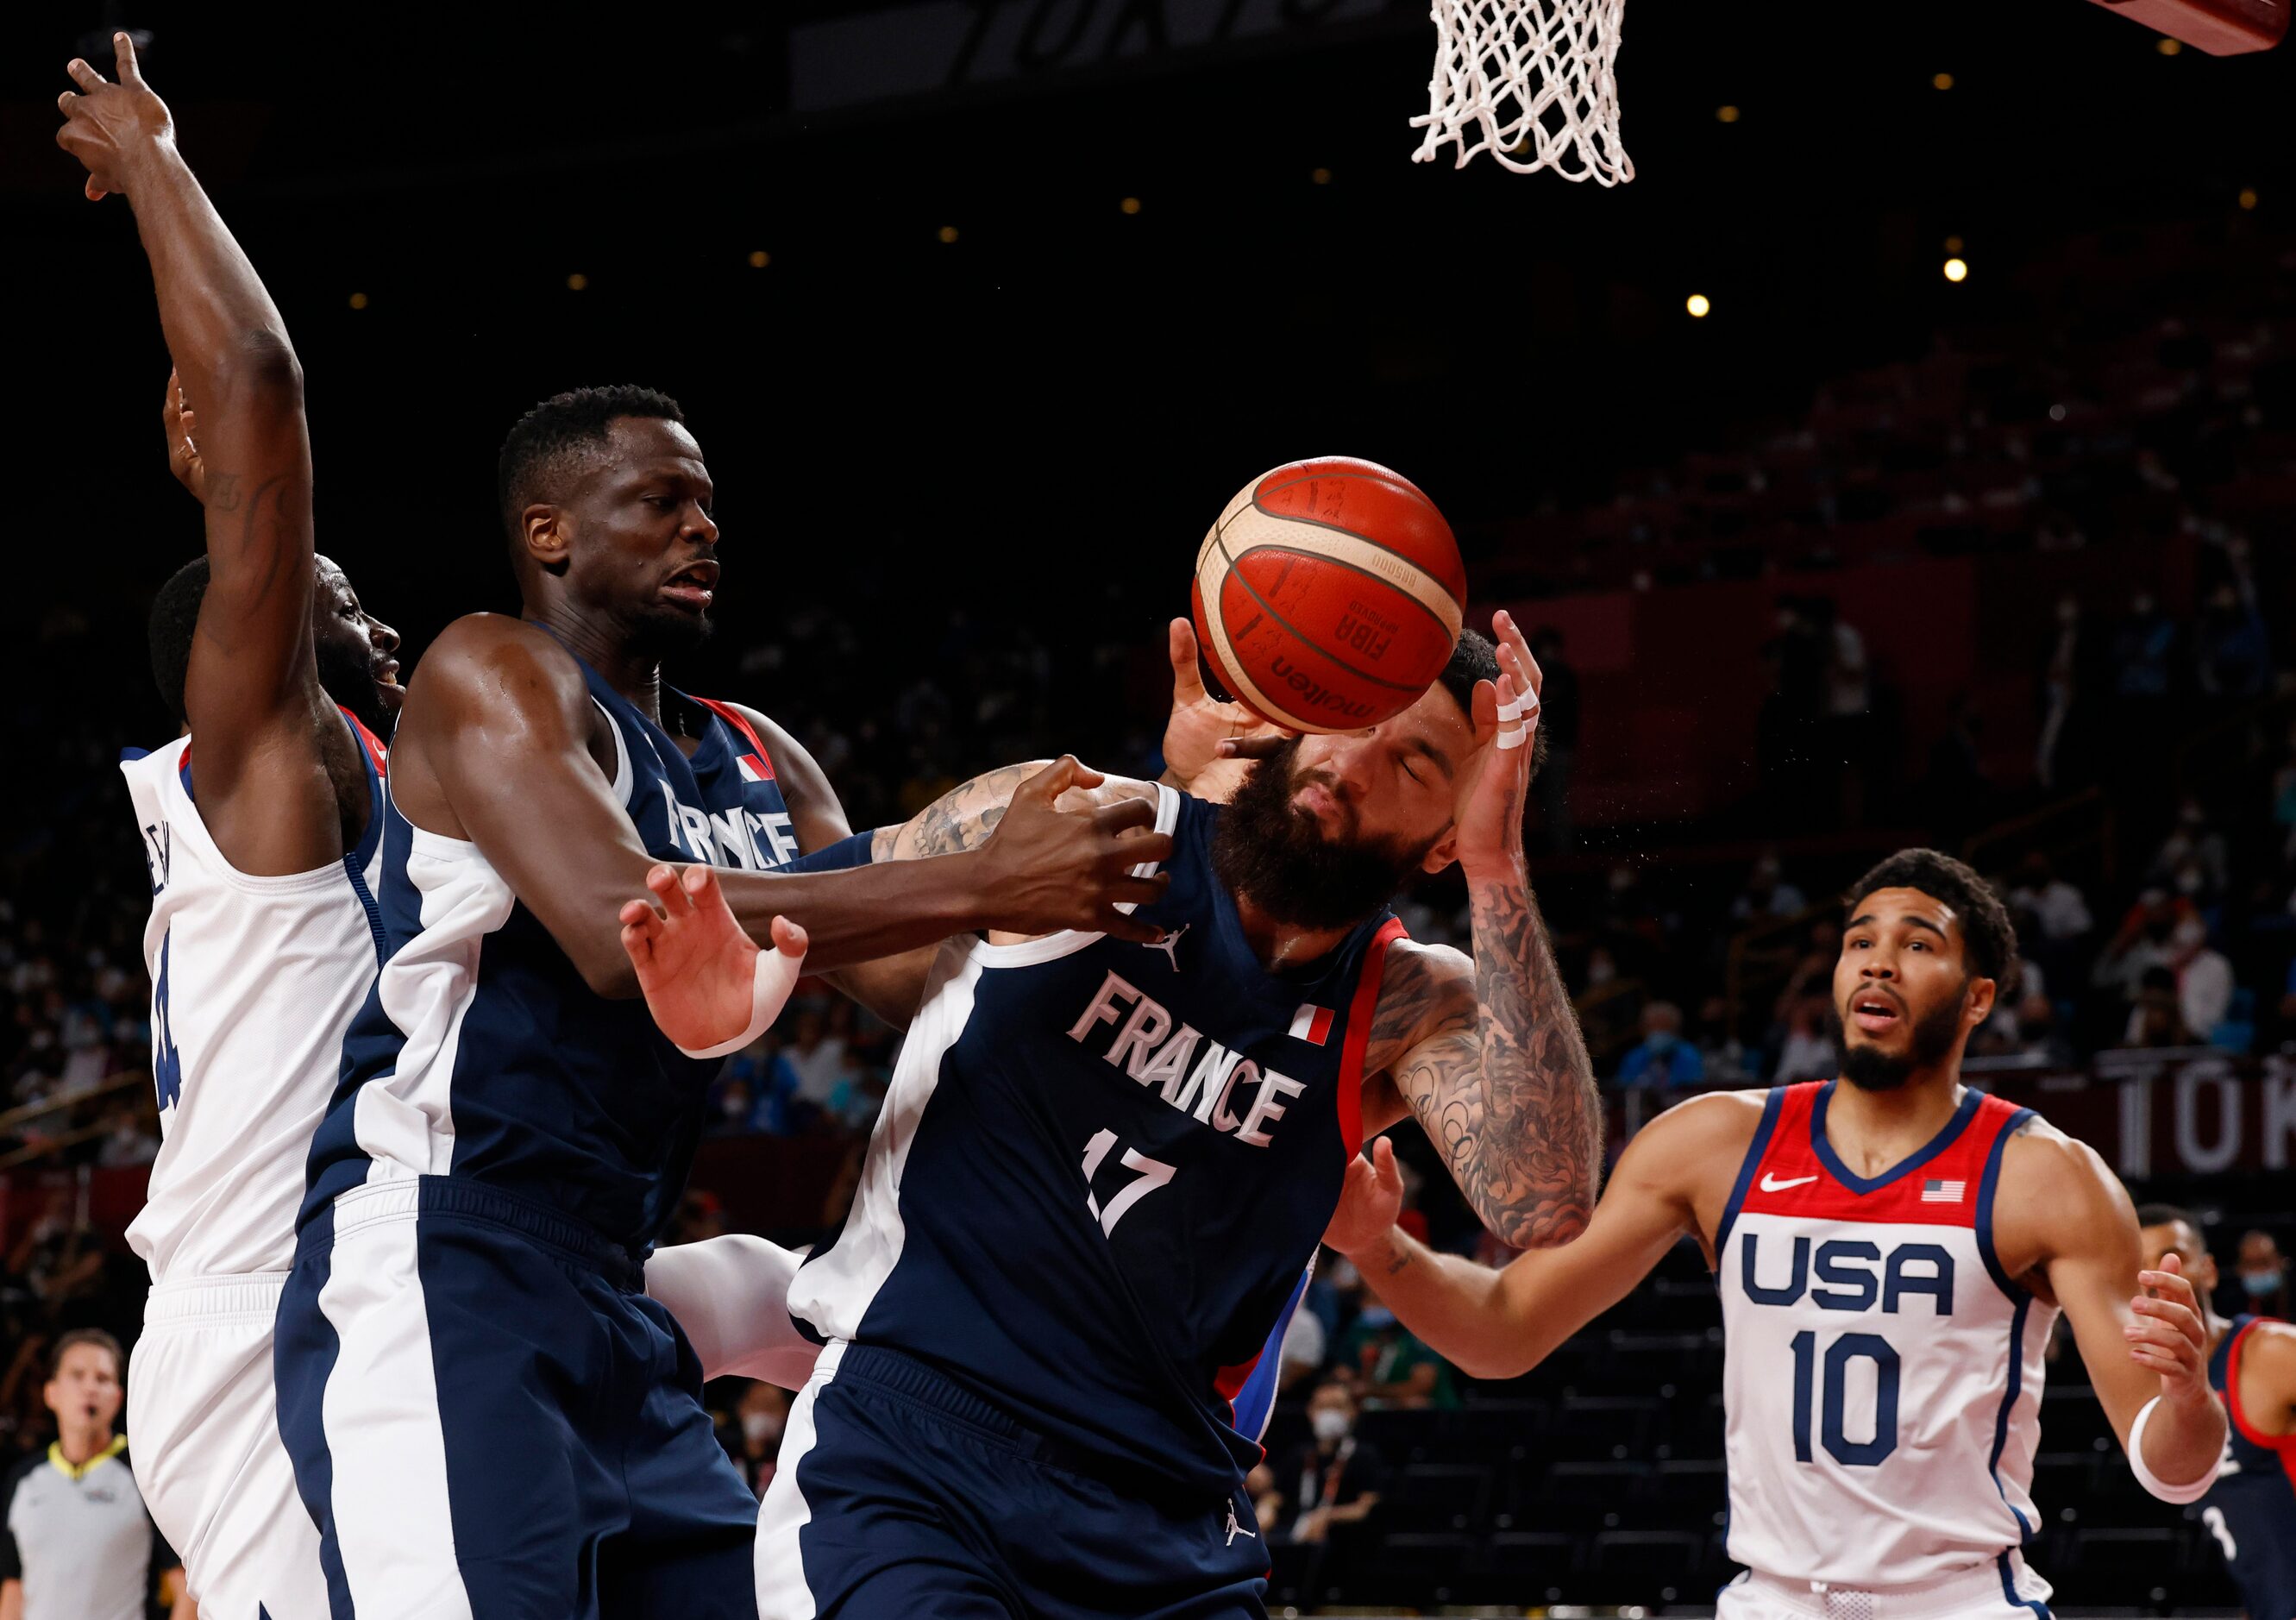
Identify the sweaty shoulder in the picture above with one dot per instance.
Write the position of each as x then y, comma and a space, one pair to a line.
2056, 1198
490, 691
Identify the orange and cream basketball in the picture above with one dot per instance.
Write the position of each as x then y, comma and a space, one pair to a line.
1328, 595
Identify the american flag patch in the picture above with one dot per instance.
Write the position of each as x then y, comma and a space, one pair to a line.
1312, 1025
754, 768
1943, 1192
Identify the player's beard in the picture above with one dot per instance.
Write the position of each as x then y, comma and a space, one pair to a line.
1275, 855
346, 675
663, 633
1869, 1068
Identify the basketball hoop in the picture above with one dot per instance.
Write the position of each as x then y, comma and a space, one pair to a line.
1532, 82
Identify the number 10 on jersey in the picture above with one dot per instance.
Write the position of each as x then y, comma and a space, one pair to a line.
1832, 1429
1149, 1174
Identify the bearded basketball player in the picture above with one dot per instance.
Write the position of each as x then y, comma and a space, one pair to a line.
1892, 1249
1103, 1164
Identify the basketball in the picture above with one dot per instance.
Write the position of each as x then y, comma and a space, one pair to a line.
1328, 595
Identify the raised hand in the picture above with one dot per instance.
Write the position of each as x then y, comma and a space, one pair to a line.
1046, 868
111, 127
2166, 1334
1505, 714
1200, 730
178, 422
696, 969
1370, 1201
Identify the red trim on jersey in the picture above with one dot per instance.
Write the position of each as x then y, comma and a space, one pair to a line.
734, 717
1360, 1008
2254, 1436
377, 753
1791, 1180
1229, 1381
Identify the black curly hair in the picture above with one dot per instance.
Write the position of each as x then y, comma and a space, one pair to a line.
1989, 938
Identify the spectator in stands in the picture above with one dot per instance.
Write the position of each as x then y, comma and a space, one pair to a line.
1662, 1060
2193, 861
1300, 1356
1809, 1052
2073, 685
2156, 1022
1558, 726
132, 1139
1767, 892
75, 1541
2263, 1275
1846, 715
1721, 1055
2232, 646
818, 1057
2204, 979
59, 1257
2141, 943
2058, 909
772, 1084
734, 1111
1396, 1368
1330, 1479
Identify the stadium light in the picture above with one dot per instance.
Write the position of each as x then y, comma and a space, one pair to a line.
358, 301
1698, 304
2169, 47
1320, 177
2247, 196
577, 282
1956, 269
1130, 205
1727, 115
760, 259
1941, 81
948, 232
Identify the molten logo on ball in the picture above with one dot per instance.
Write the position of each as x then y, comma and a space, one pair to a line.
1328, 595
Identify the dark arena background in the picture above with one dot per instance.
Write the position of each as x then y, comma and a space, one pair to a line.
1957, 514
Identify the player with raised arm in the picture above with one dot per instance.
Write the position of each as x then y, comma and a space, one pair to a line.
258, 943
1103, 1163
486, 1416
2251, 1510
1892, 1249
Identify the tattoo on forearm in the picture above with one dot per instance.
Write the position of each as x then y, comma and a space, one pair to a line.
1500, 1078
963, 817
1397, 1259
223, 490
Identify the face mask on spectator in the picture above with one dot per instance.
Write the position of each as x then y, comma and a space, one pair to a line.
2261, 1283
1376, 1317
1663, 1041
1330, 1425
757, 1428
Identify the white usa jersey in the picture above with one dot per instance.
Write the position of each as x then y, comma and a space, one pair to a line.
253, 982
1882, 1381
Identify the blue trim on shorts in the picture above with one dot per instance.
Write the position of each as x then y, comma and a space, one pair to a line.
300, 1372
2009, 1591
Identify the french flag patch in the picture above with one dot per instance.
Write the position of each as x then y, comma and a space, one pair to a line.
1943, 1192
1312, 1025
754, 767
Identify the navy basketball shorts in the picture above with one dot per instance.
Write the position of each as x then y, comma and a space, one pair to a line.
489, 1421
900, 1494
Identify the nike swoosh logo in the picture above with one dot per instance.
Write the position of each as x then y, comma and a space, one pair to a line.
1771, 1184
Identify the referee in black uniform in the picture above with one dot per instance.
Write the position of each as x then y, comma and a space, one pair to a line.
75, 1541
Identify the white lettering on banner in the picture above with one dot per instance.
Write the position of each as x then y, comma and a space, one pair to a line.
2137, 1128
2212, 1075
1152, 1052
2278, 1106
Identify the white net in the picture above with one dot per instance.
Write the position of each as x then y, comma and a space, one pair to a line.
1532, 82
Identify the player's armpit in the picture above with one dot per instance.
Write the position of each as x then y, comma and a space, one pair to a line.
2268, 1380
2059, 1204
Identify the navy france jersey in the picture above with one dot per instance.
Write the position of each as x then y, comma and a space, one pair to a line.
1101, 1168
481, 1052
2250, 1509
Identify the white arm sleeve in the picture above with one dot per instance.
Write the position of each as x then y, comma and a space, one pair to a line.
731, 1294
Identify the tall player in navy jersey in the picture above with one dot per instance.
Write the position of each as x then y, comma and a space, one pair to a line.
486, 1416
1103, 1163
2251, 1510
1892, 1249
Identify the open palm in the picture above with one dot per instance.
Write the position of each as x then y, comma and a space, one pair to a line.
696, 967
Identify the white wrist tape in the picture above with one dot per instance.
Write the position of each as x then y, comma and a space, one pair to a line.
776, 975
2152, 1481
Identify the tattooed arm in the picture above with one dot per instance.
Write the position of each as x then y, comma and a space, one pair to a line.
1486, 1054
266, 731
